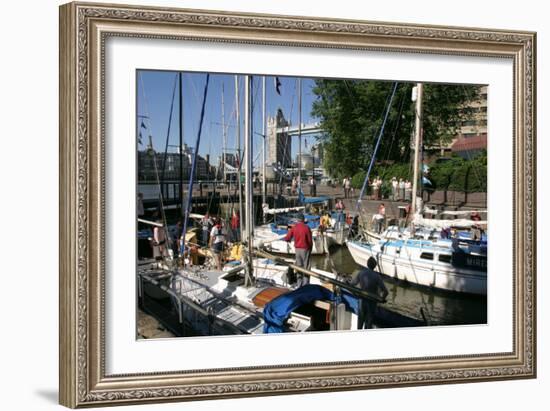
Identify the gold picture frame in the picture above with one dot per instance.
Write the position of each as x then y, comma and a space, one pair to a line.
84, 27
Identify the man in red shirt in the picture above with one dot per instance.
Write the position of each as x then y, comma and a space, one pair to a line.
303, 243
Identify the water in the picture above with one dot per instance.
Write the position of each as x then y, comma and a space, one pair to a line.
441, 308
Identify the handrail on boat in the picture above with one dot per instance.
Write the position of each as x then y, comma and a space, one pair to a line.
353, 290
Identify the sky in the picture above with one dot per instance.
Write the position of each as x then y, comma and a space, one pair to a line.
154, 100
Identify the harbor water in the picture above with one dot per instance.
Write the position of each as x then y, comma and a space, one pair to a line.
439, 307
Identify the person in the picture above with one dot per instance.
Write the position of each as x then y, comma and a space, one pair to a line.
347, 186
206, 223
235, 226
178, 238
476, 229
217, 242
159, 242
382, 213
394, 187
312, 187
354, 228
140, 208
378, 188
294, 186
408, 190
303, 244
370, 281
324, 222
401, 186
340, 207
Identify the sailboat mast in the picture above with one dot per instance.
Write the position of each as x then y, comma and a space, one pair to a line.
238, 121
224, 134
300, 133
417, 137
248, 177
264, 132
181, 205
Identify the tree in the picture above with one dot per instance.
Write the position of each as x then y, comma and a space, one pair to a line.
352, 112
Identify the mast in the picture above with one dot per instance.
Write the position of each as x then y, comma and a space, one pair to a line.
264, 132
417, 94
224, 143
238, 120
248, 176
182, 211
300, 133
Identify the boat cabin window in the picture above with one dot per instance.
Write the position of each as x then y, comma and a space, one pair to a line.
445, 258
427, 256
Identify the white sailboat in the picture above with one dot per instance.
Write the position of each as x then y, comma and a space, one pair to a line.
235, 300
417, 254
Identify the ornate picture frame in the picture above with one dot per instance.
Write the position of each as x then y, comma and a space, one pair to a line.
84, 29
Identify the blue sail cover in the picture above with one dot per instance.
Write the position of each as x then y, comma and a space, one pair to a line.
277, 311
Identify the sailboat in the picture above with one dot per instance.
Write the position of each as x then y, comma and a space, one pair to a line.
253, 295
419, 254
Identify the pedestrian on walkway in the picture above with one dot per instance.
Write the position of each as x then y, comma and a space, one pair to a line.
312, 187
347, 186
394, 188
401, 189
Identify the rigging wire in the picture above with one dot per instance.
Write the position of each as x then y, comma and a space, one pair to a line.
193, 165
395, 85
161, 201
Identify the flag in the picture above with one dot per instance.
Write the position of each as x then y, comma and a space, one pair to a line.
143, 125
426, 182
139, 138
278, 85
305, 141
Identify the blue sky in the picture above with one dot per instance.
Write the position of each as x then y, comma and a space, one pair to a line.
154, 99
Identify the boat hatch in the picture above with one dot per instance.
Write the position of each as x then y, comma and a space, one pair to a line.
233, 278
268, 294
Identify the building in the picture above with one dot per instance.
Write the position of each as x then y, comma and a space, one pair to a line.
278, 144
472, 138
171, 170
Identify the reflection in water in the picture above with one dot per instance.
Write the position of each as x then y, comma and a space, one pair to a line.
441, 308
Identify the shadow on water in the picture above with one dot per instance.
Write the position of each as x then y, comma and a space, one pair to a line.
440, 307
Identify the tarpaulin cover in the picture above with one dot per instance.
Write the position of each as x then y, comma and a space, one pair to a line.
277, 311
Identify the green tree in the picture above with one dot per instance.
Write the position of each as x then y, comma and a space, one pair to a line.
352, 112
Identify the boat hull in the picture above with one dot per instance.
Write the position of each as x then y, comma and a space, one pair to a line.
429, 274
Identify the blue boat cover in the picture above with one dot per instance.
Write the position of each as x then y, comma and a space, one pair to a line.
277, 311
311, 200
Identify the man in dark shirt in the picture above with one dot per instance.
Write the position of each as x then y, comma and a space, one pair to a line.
370, 281
303, 243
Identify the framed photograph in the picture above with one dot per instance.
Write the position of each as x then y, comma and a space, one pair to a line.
264, 205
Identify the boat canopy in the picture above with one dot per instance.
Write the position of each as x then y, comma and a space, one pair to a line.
277, 311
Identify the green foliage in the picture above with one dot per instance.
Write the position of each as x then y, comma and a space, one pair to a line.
352, 112
357, 179
454, 174
458, 174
